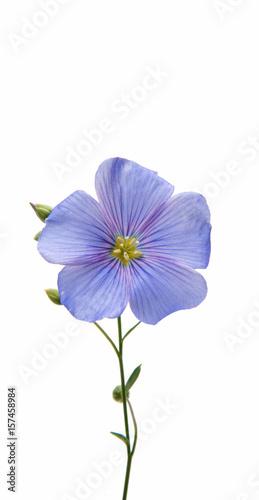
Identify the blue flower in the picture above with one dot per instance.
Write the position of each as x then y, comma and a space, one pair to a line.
139, 245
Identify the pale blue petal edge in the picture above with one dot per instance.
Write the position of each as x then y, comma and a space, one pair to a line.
75, 231
180, 230
162, 286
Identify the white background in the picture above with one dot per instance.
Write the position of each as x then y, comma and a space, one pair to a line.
197, 126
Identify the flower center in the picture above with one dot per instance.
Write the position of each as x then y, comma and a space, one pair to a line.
125, 249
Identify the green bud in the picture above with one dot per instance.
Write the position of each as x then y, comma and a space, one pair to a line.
117, 394
53, 295
42, 211
36, 237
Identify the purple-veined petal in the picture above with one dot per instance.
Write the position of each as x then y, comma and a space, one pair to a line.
96, 290
162, 286
181, 230
75, 231
129, 193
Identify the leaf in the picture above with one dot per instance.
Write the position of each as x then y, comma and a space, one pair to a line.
121, 437
132, 379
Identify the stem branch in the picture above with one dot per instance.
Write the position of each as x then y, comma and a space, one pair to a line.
135, 427
108, 338
131, 330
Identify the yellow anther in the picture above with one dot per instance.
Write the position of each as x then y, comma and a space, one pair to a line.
132, 242
126, 257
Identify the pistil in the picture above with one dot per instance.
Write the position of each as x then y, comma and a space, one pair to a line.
125, 249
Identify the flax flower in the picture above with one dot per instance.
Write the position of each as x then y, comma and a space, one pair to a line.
137, 244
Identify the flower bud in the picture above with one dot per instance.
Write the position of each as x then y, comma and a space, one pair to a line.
117, 394
36, 237
53, 295
42, 211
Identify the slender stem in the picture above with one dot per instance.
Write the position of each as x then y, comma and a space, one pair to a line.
124, 401
127, 476
126, 484
108, 338
135, 427
131, 330
119, 353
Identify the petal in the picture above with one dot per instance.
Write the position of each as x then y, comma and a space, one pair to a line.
181, 230
75, 231
162, 286
96, 290
129, 193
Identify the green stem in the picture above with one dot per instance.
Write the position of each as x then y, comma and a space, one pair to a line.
119, 353
127, 476
108, 338
135, 427
124, 401
131, 330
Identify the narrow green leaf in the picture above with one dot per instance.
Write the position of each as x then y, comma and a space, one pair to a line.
132, 378
53, 295
36, 237
121, 437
